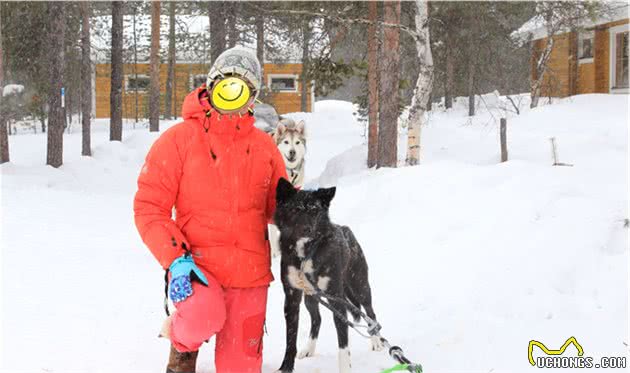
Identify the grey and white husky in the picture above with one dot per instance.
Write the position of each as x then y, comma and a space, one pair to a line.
318, 255
291, 140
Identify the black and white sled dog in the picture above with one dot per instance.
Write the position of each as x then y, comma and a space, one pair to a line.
317, 254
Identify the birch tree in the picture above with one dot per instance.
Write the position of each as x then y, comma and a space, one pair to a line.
558, 17
424, 84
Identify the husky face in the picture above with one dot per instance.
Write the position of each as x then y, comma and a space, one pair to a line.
291, 140
299, 214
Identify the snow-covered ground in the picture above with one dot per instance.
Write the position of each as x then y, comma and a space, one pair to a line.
470, 259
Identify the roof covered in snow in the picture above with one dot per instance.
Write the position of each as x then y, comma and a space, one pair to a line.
536, 25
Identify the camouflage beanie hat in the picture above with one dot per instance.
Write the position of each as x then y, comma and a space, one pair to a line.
238, 61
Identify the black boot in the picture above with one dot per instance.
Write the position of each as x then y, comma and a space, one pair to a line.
181, 362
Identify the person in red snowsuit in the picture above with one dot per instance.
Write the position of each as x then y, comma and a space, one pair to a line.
220, 173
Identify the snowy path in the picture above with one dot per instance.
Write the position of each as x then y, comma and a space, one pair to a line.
469, 259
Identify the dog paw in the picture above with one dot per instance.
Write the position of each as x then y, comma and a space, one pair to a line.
309, 351
376, 343
305, 353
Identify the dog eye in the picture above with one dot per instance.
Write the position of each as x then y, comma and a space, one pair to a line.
297, 143
286, 141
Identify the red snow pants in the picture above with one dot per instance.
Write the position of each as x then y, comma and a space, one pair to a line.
235, 315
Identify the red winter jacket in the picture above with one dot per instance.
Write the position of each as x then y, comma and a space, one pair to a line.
220, 173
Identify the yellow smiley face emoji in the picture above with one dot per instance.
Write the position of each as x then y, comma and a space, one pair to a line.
230, 94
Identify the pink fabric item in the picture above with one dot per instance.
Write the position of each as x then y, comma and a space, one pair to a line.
235, 315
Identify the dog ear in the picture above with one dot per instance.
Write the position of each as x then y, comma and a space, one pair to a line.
325, 195
301, 127
281, 128
284, 190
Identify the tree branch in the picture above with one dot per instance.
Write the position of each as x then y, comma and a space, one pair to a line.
411, 32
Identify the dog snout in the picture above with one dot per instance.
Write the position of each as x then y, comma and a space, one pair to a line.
291, 153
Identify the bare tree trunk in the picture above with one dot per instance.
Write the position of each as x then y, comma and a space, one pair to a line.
4, 136
54, 149
449, 73
135, 63
471, 87
115, 95
168, 99
306, 37
232, 10
540, 70
86, 80
216, 15
389, 95
424, 84
154, 91
260, 40
372, 84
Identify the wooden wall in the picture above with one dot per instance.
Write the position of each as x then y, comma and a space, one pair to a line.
287, 102
284, 102
592, 77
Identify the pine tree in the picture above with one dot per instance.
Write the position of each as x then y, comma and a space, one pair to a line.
170, 80
86, 80
54, 149
154, 90
389, 84
115, 95
4, 136
372, 77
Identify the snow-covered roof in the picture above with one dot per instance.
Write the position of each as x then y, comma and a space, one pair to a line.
194, 48
536, 25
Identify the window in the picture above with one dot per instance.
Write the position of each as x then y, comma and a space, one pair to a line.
585, 47
197, 80
283, 83
621, 60
142, 83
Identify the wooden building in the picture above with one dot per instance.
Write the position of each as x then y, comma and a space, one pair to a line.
282, 80
593, 60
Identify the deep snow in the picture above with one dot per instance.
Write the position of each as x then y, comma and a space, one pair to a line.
469, 258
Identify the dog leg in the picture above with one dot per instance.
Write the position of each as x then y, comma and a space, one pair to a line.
344, 360
292, 300
274, 240
342, 336
316, 320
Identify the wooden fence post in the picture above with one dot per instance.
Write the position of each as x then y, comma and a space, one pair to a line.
503, 135
554, 153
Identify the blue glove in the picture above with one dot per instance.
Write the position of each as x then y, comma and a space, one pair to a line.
182, 269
